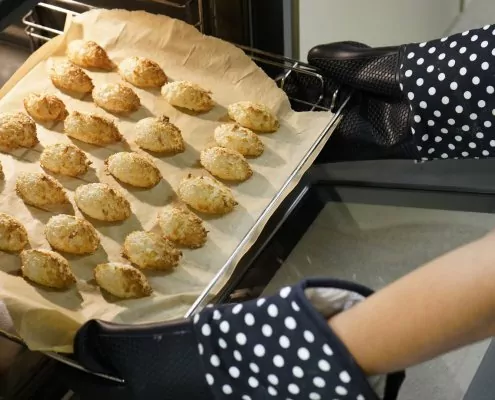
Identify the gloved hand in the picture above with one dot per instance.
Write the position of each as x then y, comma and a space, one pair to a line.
432, 100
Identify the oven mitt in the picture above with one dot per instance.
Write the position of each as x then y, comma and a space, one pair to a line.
432, 100
11, 11
275, 347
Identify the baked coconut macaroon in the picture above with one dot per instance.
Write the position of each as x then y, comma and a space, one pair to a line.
71, 234
142, 72
181, 226
102, 202
17, 130
40, 190
122, 281
13, 234
225, 164
45, 107
64, 159
89, 54
47, 268
240, 139
206, 195
69, 77
91, 128
134, 169
188, 95
147, 250
116, 98
159, 135
255, 116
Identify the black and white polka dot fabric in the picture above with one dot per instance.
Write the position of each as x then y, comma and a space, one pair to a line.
450, 85
279, 347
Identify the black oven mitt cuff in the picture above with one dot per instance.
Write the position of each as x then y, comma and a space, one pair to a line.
11, 11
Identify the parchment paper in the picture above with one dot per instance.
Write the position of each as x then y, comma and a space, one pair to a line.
48, 320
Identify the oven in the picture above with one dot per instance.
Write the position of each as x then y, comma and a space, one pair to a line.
370, 222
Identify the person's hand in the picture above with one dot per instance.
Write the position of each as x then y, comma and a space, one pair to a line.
432, 100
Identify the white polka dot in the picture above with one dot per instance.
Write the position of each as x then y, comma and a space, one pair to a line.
290, 323
413, 131
432, 91
473, 57
284, 342
249, 319
260, 302
420, 61
206, 330
410, 55
490, 90
484, 43
234, 372
444, 155
272, 310
431, 123
423, 104
476, 80
431, 150
454, 85
430, 68
295, 307
474, 38
410, 95
465, 33
254, 368
481, 103
360, 397
431, 50
297, 372
485, 66
453, 44
327, 350
319, 382
324, 365
214, 360
467, 95
465, 128
259, 350
464, 153
196, 319
441, 56
278, 361
472, 145
487, 124
463, 71
419, 148
493, 112
227, 389
216, 315
266, 330
209, 379
345, 377
237, 355
451, 121
420, 82
340, 390
408, 73
445, 100
451, 63
303, 353
458, 138
417, 118
237, 309
224, 327
253, 382
314, 396
309, 337
485, 153
401, 86
200, 349
272, 391
492, 143
438, 139
480, 135
437, 113
273, 379
441, 77
245, 397
473, 116
241, 339
222, 343
459, 109
422, 44
493, 52
486, 27
293, 389
284, 293
451, 146
444, 130
462, 50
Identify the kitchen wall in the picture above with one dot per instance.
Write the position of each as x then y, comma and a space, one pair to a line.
375, 22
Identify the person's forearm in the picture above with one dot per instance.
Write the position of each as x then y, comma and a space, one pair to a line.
446, 304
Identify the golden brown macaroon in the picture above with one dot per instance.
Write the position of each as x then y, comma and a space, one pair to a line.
116, 98
188, 95
64, 159
17, 130
122, 281
102, 202
45, 107
13, 234
91, 128
71, 235
147, 250
142, 72
67, 76
182, 226
238, 138
47, 268
159, 135
40, 190
255, 116
88, 54
134, 169
225, 164
206, 194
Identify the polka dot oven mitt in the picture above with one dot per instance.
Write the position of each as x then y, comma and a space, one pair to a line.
282, 347
450, 85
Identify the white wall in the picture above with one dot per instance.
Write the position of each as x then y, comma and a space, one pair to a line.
375, 22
